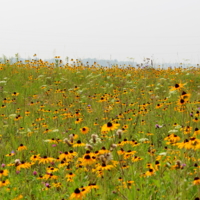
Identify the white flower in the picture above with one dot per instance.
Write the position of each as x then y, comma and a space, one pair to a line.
40, 76
143, 139
55, 130
88, 146
12, 116
178, 127
4, 82
172, 92
43, 86
46, 140
163, 154
172, 131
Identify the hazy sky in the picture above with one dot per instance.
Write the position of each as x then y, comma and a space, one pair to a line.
168, 30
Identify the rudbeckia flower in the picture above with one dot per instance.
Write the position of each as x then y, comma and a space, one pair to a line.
196, 181
77, 194
21, 147
3, 173
4, 183
178, 86
45, 160
84, 130
109, 127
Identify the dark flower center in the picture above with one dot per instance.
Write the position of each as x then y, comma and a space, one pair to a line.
183, 93
182, 101
109, 124
87, 157
176, 85
77, 191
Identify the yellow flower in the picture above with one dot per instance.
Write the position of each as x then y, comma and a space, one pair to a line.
196, 181
49, 176
35, 157
23, 165
87, 159
150, 172
10, 154
84, 130
3, 173
109, 127
51, 169
70, 177
4, 183
77, 194
45, 160
18, 198
15, 94
21, 147
103, 167
79, 144
57, 185
178, 86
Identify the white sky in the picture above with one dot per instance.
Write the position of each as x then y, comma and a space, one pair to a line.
168, 30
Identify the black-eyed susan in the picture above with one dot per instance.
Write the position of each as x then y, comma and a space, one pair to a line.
187, 129
4, 183
84, 130
196, 119
3, 173
172, 138
102, 167
88, 159
196, 132
129, 183
77, 194
79, 144
196, 181
45, 160
63, 163
50, 176
178, 86
78, 120
51, 169
10, 154
150, 172
23, 165
21, 147
159, 105
15, 94
185, 95
136, 159
70, 177
182, 101
56, 185
109, 127
103, 150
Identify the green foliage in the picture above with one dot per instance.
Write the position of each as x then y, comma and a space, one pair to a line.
142, 157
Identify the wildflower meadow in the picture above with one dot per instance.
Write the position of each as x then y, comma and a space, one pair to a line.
75, 131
